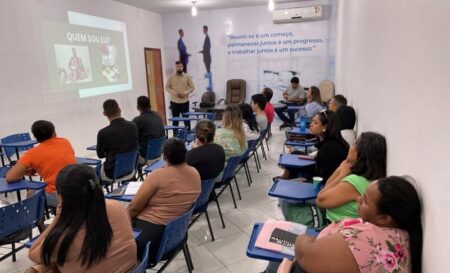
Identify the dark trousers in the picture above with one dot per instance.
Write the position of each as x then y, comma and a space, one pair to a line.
177, 109
291, 114
185, 63
207, 61
149, 232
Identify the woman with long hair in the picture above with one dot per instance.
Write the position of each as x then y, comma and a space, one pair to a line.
387, 237
232, 136
331, 147
313, 102
88, 233
251, 128
348, 119
366, 162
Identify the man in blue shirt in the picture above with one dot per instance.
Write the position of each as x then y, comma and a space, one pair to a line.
206, 51
184, 56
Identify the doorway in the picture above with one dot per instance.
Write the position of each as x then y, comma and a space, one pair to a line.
155, 85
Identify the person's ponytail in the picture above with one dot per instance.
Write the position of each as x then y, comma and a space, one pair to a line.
399, 199
415, 245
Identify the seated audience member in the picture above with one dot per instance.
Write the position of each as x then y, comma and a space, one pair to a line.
232, 136
332, 148
387, 237
149, 124
313, 103
269, 110
206, 157
165, 194
348, 120
88, 233
251, 128
366, 162
47, 159
120, 136
258, 104
336, 102
293, 95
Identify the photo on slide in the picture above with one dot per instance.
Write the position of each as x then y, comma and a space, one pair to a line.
110, 69
73, 63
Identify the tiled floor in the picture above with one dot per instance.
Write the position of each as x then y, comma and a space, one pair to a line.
227, 253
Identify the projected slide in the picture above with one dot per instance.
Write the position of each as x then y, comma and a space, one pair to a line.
88, 55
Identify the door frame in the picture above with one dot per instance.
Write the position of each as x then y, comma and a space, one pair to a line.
164, 116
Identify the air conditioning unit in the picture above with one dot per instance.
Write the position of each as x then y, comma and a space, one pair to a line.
293, 15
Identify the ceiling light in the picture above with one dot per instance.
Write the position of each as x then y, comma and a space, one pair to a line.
194, 9
271, 5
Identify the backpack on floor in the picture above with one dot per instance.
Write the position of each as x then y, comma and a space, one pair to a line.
208, 99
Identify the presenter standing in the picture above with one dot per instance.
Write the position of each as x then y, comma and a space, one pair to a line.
184, 56
180, 86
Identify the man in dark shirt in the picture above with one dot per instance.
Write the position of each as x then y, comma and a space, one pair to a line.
207, 157
149, 124
120, 136
206, 51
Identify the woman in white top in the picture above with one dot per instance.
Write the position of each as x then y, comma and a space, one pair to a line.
313, 103
251, 128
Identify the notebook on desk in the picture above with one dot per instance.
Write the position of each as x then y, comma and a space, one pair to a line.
132, 188
118, 192
279, 236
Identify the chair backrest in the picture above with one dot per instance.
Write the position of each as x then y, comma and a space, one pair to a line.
212, 117
236, 91
125, 163
22, 214
174, 234
251, 144
10, 151
262, 135
142, 266
202, 200
326, 90
155, 147
230, 168
181, 134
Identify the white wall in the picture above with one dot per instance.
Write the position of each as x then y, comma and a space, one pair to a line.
311, 66
393, 63
23, 72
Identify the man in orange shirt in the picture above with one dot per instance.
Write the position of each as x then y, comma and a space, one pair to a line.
47, 159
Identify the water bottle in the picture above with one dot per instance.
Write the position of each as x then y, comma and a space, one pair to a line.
302, 124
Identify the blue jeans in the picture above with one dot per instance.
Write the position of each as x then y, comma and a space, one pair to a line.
291, 114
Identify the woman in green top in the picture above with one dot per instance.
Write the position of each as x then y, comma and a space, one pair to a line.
232, 136
366, 162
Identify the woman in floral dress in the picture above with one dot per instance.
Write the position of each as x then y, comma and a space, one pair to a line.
386, 239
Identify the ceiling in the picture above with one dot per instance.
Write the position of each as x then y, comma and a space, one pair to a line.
177, 6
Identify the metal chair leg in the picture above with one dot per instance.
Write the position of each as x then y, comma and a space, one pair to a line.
218, 208
249, 173
209, 225
257, 159
232, 194
186, 258
263, 150
189, 255
256, 162
237, 187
